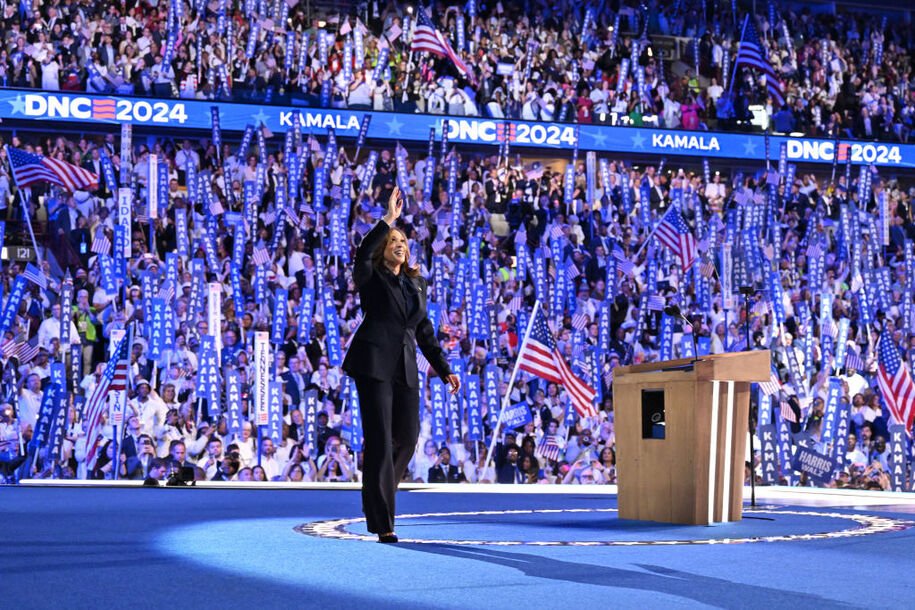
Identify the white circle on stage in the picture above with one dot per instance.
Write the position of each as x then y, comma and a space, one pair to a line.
864, 525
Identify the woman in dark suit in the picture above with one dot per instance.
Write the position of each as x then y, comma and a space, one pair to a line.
382, 361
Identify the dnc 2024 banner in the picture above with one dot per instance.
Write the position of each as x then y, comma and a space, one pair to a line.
190, 114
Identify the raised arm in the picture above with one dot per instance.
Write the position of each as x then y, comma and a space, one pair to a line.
362, 268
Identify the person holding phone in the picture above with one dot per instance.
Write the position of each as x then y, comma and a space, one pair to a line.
382, 361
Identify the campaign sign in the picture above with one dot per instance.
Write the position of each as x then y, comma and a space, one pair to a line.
816, 465
516, 415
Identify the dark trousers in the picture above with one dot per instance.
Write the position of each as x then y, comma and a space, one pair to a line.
390, 417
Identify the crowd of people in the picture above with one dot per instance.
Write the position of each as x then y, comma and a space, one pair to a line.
845, 73
585, 254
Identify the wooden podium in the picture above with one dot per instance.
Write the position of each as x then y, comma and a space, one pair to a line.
681, 433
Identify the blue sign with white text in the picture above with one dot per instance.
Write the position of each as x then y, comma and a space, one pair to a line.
81, 107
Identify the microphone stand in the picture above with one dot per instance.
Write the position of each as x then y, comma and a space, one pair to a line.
692, 334
674, 311
746, 291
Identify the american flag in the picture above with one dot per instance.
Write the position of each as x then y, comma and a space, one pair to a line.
676, 235
751, 53
655, 302
773, 386
549, 447
9, 348
515, 304
27, 351
580, 320
853, 360
261, 256
789, 410
114, 378
167, 291
100, 243
556, 232
293, 219
30, 168
608, 378
34, 275
572, 271
626, 266
828, 327
439, 243
216, 207
814, 250
707, 268
895, 382
427, 38
540, 356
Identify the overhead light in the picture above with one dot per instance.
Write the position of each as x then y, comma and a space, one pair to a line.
409, 10
610, 28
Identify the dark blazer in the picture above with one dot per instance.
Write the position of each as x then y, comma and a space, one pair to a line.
438, 474
136, 469
387, 331
129, 446
292, 388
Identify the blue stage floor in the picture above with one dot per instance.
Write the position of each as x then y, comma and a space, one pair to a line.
289, 548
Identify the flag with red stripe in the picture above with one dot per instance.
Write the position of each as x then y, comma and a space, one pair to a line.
625, 266
580, 320
261, 256
28, 350
114, 378
34, 275
540, 356
677, 237
751, 53
427, 38
549, 447
100, 243
773, 386
515, 304
707, 269
789, 409
895, 382
29, 168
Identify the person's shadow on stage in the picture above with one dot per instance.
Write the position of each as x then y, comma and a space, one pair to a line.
659, 579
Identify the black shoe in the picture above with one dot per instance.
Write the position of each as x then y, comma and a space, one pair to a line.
387, 538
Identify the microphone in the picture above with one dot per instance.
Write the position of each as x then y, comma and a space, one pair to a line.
673, 310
